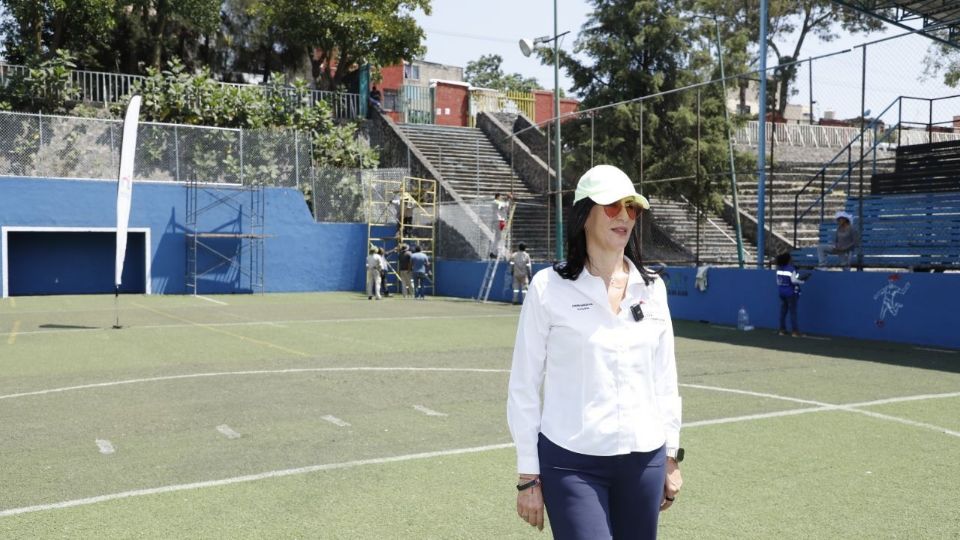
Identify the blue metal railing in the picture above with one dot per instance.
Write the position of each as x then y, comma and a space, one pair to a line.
869, 132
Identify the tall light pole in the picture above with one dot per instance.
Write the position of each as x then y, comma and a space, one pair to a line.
726, 121
526, 47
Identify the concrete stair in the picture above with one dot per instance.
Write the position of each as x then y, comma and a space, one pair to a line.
468, 161
718, 244
783, 185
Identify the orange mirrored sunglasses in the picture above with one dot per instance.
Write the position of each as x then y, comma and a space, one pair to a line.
613, 209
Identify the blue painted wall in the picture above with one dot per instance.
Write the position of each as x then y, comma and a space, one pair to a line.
833, 303
299, 254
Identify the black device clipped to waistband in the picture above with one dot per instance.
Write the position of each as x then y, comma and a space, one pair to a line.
637, 312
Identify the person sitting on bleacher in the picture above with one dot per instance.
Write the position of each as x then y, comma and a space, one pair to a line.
846, 240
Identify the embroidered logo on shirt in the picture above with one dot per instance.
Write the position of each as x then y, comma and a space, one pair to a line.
582, 307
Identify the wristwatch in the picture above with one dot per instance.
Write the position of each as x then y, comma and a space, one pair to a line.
675, 453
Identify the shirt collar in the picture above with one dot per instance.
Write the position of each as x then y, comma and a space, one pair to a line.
592, 286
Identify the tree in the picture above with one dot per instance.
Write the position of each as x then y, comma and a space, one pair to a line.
485, 72
34, 30
790, 24
943, 60
633, 49
152, 32
335, 38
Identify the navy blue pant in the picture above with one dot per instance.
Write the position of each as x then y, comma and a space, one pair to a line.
788, 303
601, 497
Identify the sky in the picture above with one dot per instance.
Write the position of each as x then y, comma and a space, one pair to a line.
459, 31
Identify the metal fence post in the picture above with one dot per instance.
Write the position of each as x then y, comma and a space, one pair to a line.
296, 156
176, 151
36, 164
241, 156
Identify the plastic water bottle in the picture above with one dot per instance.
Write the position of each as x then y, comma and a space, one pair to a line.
743, 319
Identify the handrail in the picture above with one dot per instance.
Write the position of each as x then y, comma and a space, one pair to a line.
797, 215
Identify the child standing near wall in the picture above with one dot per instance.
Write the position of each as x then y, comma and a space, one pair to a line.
788, 288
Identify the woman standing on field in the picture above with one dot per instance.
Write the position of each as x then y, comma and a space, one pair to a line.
602, 449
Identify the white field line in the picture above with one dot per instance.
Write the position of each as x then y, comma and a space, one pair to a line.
429, 412
931, 349
761, 416
212, 300
228, 432
335, 421
904, 398
12, 338
757, 394
906, 421
849, 407
428, 455
245, 373
249, 478
274, 323
105, 446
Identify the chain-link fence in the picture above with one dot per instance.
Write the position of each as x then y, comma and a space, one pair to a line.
687, 148
343, 195
68, 147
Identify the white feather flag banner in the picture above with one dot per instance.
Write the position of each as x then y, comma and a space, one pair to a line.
128, 150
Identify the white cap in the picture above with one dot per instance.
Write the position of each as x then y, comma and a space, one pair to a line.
606, 184
845, 215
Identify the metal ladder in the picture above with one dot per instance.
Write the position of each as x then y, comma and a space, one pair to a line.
491, 271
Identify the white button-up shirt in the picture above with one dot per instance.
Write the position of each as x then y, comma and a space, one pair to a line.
609, 382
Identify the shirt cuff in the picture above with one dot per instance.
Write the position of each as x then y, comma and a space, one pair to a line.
528, 464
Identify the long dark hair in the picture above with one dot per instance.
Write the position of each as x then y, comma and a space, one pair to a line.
577, 244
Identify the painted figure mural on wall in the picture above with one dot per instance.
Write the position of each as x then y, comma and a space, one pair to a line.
888, 298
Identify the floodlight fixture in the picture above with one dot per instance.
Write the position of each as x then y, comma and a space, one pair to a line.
527, 45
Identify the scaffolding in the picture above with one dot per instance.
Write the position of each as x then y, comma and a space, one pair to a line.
233, 247
398, 212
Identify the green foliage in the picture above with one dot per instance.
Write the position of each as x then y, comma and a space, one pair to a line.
34, 30
44, 87
638, 49
485, 72
111, 34
176, 96
943, 60
336, 37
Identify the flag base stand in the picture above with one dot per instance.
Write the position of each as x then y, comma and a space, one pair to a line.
116, 307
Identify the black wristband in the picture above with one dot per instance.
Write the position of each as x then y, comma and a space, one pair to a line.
528, 485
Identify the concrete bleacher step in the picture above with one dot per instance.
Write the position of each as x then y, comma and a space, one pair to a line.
678, 220
473, 167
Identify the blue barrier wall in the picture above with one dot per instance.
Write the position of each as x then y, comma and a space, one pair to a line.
299, 254
908, 307
904, 307
72, 263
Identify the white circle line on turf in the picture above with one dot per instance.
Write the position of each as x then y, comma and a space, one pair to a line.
248, 478
245, 373
270, 323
